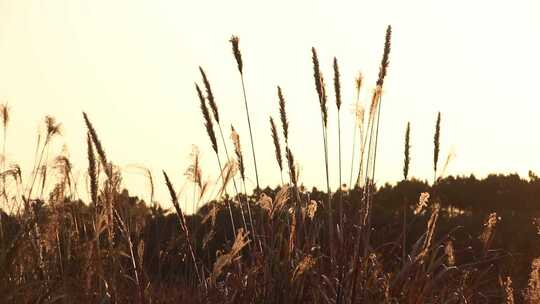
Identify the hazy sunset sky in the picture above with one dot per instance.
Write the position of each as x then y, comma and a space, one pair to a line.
131, 65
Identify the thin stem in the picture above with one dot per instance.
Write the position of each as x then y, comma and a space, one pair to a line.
340, 182
251, 217
250, 132
370, 194
234, 182
227, 200
354, 138
36, 168
330, 216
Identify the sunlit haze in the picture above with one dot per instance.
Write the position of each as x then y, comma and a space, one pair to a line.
131, 66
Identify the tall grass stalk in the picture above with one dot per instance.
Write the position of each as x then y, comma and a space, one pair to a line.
380, 82
277, 147
240, 160
215, 112
184, 227
238, 56
358, 123
52, 128
321, 92
337, 91
212, 136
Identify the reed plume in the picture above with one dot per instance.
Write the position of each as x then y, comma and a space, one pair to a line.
386, 54
238, 56
183, 226
210, 95
407, 152
532, 292
212, 136
207, 120
213, 106
292, 167
508, 290
337, 91
337, 85
277, 146
283, 116
4, 113
236, 52
380, 81
373, 129
52, 128
240, 160
92, 171
238, 151
358, 123
321, 92
436, 141
194, 174
98, 146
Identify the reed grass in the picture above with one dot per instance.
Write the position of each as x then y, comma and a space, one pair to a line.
183, 226
235, 41
406, 152
56, 250
215, 112
436, 146
337, 91
212, 136
321, 92
358, 124
277, 147
240, 160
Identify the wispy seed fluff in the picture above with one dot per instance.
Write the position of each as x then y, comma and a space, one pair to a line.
238, 151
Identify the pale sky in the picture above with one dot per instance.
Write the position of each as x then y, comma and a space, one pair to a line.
131, 65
